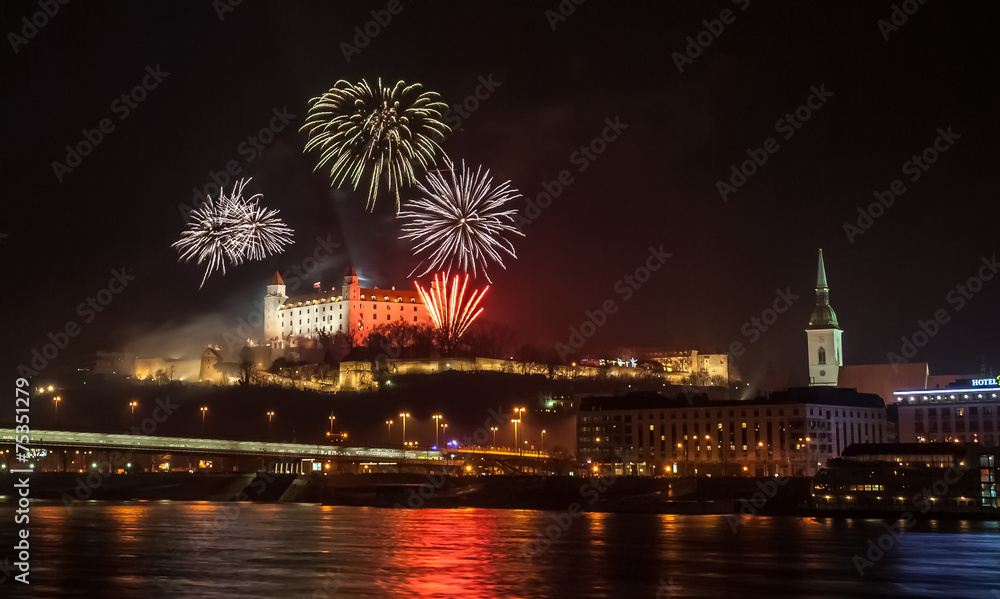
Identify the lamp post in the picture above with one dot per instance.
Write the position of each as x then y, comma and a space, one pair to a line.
203, 410
332, 418
270, 415
388, 424
56, 400
684, 446
445, 427
132, 404
543, 441
404, 416
494, 429
437, 425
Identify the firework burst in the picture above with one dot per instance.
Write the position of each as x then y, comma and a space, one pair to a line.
460, 221
451, 311
376, 136
231, 230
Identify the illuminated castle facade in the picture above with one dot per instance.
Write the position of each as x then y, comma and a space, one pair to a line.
352, 310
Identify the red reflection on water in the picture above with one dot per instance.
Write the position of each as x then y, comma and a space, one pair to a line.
451, 553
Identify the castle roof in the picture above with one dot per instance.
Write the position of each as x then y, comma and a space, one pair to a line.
378, 295
350, 271
276, 279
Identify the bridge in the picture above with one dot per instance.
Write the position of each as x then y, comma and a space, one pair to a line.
120, 450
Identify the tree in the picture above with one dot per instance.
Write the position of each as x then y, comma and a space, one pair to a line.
489, 339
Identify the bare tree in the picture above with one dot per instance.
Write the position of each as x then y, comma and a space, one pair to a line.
489, 339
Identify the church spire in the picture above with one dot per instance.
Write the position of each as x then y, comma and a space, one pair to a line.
823, 316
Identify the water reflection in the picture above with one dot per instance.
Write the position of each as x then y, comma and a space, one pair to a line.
270, 550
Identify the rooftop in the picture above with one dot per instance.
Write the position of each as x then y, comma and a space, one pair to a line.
649, 400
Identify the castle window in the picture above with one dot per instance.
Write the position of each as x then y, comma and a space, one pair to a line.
822, 355
388, 317
414, 319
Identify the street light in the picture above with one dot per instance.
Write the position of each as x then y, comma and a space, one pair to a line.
494, 429
388, 424
684, 446
760, 446
332, 418
517, 445
203, 410
437, 422
270, 415
543, 440
404, 416
132, 404
56, 401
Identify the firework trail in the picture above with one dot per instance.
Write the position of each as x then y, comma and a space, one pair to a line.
231, 229
451, 312
460, 221
377, 137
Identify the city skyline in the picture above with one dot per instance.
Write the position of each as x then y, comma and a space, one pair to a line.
638, 157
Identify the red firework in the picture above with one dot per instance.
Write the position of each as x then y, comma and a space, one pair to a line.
451, 311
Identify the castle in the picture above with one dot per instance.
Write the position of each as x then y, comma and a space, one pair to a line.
354, 311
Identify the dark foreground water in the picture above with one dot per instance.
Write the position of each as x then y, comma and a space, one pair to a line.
174, 549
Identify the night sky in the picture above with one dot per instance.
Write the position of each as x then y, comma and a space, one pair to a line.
655, 184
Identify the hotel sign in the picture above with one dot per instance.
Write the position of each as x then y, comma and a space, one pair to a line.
986, 382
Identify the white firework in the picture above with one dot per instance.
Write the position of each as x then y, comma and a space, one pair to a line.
230, 230
459, 222
258, 231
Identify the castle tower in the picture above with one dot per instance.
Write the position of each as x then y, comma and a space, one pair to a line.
352, 290
823, 336
272, 301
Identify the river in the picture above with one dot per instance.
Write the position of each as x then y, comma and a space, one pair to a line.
215, 550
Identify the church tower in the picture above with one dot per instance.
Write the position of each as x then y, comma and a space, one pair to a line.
272, 301
823, 335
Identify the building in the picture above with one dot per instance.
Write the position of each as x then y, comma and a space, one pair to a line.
791, 432
824, 336
919, 478
352, 310
110, 363
679, 367
968, 412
